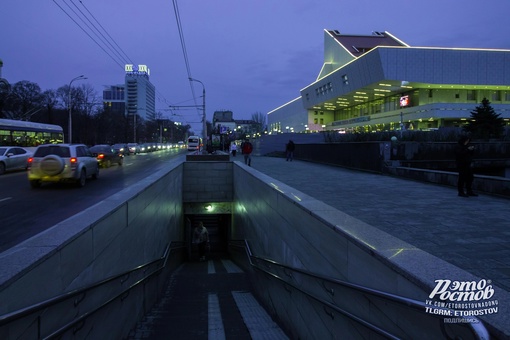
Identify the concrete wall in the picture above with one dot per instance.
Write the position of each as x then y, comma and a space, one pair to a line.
128, 229
285, 225
279, 222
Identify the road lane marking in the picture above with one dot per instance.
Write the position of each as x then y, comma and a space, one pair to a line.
5, 199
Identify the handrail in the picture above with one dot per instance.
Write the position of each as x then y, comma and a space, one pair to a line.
478, 329
29, 310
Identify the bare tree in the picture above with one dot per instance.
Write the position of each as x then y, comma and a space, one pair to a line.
50, 102
24, 100
260, 119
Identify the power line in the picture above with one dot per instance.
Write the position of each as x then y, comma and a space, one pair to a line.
184, 51
105, 42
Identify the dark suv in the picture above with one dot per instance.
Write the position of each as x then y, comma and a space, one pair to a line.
62, 163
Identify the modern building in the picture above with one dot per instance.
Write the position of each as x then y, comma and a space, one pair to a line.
140, 92
224, 122
377, 82
114, 99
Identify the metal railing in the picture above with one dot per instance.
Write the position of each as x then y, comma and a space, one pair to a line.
322, 289
118, 287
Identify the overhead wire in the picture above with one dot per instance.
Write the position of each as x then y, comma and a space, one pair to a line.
184, 51
103, 39
95, 41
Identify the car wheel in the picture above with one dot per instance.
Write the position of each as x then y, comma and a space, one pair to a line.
35, 184
83, 178
96, 174
2, 168
52, 165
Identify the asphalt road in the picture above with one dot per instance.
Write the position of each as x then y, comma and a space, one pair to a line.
25, 212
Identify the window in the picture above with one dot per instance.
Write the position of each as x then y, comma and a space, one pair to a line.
471, 95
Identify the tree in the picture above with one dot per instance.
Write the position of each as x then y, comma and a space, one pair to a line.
260, 119
485, 123
50, 102
23, 101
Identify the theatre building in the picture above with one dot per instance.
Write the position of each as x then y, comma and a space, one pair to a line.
378, 82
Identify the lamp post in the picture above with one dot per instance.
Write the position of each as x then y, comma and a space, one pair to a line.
70, 116
203, 108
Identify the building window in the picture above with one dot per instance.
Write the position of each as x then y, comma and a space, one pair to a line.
471, 95
496, 96
457, 96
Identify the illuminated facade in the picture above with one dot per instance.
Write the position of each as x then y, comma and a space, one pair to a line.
378, 83
140, 92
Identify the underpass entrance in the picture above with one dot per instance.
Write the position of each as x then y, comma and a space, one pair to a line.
217, 218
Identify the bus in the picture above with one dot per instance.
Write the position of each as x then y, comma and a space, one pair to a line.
29, 134
194, 143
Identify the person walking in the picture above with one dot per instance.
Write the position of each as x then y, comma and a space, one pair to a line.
247, 149
289, 150
201, 238
464, 158
233, 148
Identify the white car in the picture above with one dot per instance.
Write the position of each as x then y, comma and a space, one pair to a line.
13, 158
62, 163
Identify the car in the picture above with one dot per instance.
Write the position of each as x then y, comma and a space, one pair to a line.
13, 158
133, 148
62, 163
106, 155
146, 147
122, 148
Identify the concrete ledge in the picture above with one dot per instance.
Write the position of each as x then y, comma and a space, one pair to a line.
487, 184
207, 158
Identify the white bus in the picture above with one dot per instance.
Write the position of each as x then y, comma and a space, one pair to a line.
194, 143
29, 134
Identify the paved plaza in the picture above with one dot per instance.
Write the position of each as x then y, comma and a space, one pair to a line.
471, 233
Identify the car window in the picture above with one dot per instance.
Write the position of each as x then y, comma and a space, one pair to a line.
19, 151
61, 151
2, 151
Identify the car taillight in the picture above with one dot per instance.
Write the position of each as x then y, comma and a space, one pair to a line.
100, 156
30, 160
73, 160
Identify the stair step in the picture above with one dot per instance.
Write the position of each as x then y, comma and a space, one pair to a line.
208, 300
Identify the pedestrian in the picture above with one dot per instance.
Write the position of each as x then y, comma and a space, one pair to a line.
233, 148
247, 149
201, 238
289, 150
464, 158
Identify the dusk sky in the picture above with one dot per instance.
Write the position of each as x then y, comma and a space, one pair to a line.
252, 55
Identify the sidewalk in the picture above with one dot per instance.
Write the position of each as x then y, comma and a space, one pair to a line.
471, 233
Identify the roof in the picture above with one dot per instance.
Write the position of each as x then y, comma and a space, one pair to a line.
360, 44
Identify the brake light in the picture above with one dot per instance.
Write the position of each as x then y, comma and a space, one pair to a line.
100, 156
30, 160
73, 160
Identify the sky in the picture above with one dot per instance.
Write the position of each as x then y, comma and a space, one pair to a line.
251, 55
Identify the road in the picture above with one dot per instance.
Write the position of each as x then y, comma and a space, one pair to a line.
25, 212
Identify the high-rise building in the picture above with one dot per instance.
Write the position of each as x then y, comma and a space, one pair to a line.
140, 92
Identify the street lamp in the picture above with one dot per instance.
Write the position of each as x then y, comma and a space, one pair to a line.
70, 117
203, 108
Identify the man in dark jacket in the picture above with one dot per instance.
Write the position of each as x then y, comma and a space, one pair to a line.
464, 158
289, 150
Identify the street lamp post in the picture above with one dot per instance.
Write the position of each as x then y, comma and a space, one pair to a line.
203, 109
70, 106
